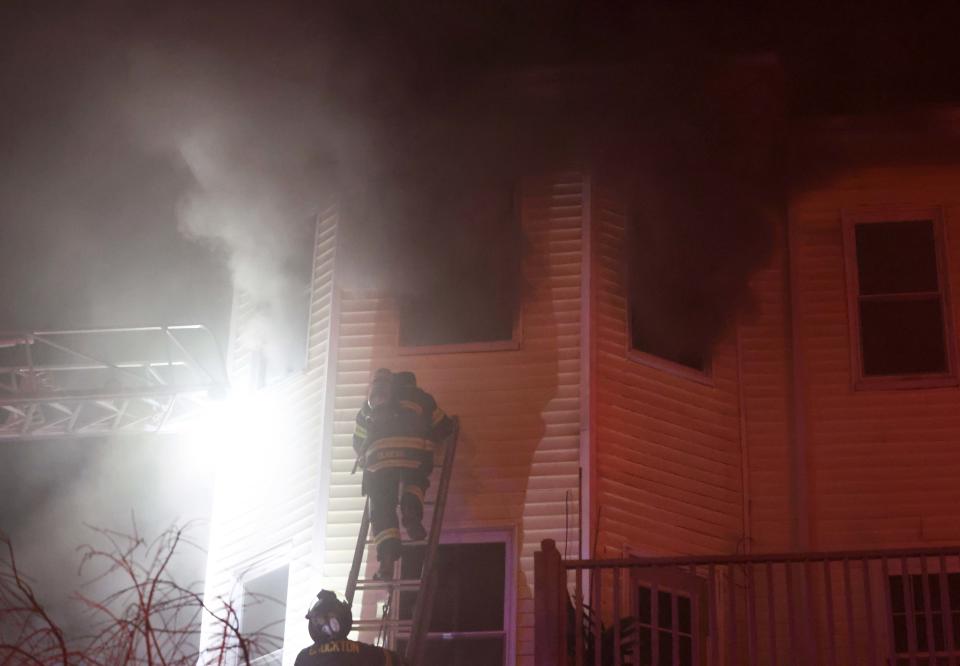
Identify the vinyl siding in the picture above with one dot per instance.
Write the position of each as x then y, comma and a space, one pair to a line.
517, 464
883, 463
668, 447
265, 509
766, 378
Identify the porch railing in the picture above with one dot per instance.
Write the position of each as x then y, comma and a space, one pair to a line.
871, 608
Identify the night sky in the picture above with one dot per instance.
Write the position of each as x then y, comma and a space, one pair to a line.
155, 154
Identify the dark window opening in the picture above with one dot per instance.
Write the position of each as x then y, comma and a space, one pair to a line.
646, 336
472, 292
464, 312
668, 627
900, 303
468, 604
671, 313
914, 614
263, 612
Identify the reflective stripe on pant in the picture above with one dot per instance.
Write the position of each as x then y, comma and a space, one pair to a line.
411, 501
383, 488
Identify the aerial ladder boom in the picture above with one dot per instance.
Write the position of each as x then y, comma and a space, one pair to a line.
105, 381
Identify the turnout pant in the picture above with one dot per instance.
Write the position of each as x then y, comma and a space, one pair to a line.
384, 489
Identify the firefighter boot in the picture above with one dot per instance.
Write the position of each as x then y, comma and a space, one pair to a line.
388, 552
416, 531
387, 565
411, 509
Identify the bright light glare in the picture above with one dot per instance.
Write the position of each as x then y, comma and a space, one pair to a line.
244, 440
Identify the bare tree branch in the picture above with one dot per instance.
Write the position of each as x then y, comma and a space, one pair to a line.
145, 619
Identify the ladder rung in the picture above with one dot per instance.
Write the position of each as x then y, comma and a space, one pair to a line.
422, 542
371, 625
373, 584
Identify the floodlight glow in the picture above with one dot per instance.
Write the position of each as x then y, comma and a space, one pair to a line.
246, 441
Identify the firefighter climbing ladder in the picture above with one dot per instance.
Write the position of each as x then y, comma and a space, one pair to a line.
390, 626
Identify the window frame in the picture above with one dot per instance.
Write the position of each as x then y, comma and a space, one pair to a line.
516, 338
911, 616
507, 536
675, 582
649, 359
261, 565
513, 344
675, 368
851, 219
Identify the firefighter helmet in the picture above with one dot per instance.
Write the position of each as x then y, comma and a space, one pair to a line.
329, 618
381, 388
405, 378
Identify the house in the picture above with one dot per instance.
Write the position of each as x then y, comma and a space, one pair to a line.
823, 421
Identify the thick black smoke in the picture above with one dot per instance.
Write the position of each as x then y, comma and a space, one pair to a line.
240, 120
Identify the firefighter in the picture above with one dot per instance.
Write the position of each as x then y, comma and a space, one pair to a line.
329, 622
397, 430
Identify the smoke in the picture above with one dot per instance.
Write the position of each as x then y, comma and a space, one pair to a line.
253, 146
155, 482
421, 121
161, 154
422, 124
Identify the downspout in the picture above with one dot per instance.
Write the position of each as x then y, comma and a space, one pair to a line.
799, 449
747, 537
587, 444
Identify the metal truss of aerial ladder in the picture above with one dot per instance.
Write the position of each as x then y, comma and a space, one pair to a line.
107, 381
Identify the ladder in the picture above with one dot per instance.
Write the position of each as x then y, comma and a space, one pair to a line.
390, 626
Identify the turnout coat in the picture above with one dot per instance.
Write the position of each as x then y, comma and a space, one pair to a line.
346, 653
401, 433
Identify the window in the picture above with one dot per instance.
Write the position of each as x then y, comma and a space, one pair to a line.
472, 299
652, 340
667, 318
470, 622
670, 608
263, 613
910, 620
666, 630
899, 316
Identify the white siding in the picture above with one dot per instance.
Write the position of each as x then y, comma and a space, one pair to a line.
767, 394
265, 505
883, 463
668, 446
519, 449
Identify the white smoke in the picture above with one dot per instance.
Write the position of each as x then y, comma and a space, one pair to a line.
251, 144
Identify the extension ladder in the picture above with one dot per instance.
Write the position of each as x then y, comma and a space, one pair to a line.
390, 626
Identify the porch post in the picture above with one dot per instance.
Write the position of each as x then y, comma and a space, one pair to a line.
549, 597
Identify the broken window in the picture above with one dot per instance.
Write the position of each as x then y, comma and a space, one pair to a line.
468, 625
671, 308
665, 326
899, 314
263, 612
469, 293
647, 337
